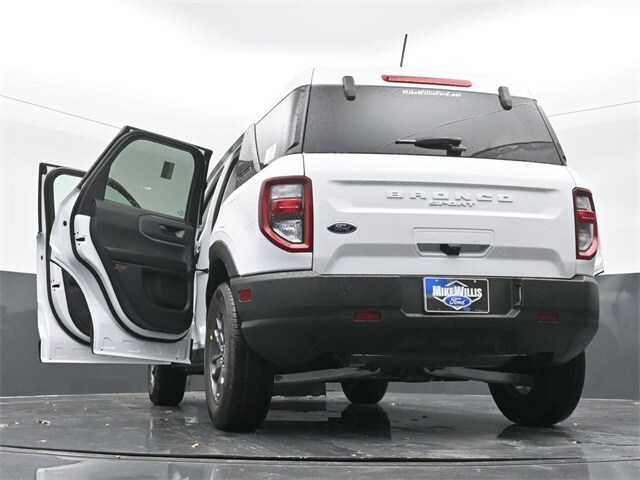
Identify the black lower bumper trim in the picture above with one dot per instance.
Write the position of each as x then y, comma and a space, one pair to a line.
295, 318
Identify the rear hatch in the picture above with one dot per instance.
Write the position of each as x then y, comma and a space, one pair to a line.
503, 206
408, 211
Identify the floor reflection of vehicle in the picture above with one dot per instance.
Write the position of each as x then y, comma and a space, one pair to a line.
362, 420
129, 469
370, 420
408, 437
613, 358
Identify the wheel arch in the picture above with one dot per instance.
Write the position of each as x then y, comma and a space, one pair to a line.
221, 267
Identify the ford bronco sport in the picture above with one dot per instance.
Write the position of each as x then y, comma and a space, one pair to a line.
373, 226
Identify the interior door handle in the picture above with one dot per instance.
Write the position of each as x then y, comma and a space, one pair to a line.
163, 229
170, 230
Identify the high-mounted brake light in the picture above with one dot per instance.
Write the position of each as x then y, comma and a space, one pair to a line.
286, 213
586, 224
447, 82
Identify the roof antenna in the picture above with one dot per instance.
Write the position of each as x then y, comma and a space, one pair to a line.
404, 46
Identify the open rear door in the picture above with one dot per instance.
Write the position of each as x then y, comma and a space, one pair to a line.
119, 250
64, 321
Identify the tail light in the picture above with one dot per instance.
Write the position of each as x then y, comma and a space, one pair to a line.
286, 213
586, 224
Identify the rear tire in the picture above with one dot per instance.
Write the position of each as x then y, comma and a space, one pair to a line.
364, 391
166, 385
552, 398
238, 383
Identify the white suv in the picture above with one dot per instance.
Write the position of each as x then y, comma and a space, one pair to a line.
374, 226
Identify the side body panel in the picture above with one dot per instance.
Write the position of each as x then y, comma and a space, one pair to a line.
202, 273
237, 225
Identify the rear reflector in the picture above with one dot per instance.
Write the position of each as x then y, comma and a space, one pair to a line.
364, 316
245, 295
547, 318
448, 82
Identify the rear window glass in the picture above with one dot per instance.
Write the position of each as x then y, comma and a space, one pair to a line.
278, 132
381, 115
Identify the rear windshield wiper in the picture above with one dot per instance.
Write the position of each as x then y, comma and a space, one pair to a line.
453, 145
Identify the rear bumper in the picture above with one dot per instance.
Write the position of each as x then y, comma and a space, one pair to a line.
297, 318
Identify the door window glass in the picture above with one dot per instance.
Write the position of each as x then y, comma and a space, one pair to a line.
232, 184
241, 163
62, 186
152, 176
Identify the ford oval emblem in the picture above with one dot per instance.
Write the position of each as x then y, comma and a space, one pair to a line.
458, 301
342, 228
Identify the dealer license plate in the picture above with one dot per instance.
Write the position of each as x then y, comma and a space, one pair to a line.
456, 295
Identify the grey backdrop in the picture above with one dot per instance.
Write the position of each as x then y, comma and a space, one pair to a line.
613, 359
